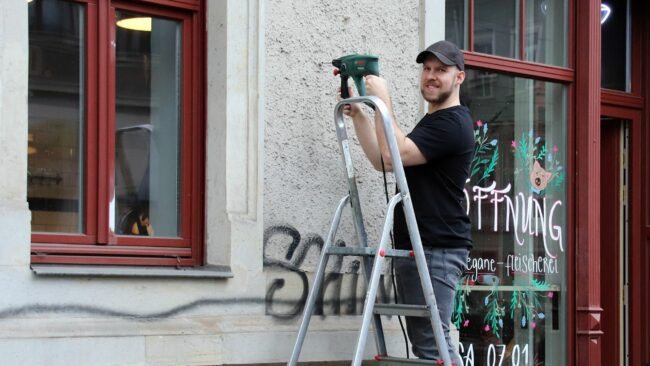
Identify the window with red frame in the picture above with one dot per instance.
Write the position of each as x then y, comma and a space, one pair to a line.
115, 165
528, 30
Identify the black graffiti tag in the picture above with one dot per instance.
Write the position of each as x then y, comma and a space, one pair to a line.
291, 264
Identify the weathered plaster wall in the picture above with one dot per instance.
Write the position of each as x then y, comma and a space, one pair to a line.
273, 175
303, 172
130, 320
14, 222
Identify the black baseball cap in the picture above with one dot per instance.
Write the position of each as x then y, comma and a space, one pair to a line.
447, 52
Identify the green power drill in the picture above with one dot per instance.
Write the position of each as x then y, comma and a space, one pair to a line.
355, 66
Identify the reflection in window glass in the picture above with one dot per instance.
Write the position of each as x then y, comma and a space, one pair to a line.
615, 41
496, 25
546, 31
55, 188
455, 21
147, 122
511, 303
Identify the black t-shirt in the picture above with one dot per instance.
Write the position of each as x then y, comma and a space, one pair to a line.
446, 139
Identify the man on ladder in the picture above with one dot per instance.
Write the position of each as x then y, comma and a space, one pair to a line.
436, 156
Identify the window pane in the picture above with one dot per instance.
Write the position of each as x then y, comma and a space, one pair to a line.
147, 135
513, 297
615, 41
455, 22
55, 188
546, 31
496, 24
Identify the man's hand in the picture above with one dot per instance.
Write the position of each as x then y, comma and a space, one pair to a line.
378, 87
351, 110
409, 152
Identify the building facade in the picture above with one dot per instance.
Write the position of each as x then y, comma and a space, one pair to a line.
170, 169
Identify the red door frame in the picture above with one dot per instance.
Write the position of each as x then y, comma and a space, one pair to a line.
636, 253
642, 342
587, 336
590, 103
637, 287
610, 231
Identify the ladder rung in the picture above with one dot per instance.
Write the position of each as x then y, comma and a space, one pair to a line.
368, 252
387, 360
402, 309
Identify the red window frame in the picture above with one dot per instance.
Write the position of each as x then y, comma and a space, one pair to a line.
98, 244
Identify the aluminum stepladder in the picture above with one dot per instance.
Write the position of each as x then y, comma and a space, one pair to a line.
373, 269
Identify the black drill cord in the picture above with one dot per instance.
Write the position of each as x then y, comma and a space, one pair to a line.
392, 267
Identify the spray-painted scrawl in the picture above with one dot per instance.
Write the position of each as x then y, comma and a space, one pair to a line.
342, 291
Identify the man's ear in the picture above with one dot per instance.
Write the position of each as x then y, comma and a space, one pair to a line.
460, 77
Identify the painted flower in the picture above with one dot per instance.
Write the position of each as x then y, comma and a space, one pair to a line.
555, 148
486, 328
487, 300
493, 142
513, 144
533, 325
550, 294
479, 123
500, 323
485, 128
466, 323
536, 140
541, 315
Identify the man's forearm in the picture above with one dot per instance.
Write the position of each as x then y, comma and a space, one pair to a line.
367, 138
381, 138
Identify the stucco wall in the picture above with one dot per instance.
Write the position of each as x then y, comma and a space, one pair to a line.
14, 225
303, 172
273, 168
137, 320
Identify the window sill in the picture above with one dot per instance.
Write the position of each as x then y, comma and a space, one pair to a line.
130, 271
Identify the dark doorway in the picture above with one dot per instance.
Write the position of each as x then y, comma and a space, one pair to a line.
614, 240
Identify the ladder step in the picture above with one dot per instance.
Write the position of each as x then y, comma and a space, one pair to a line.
402, 309
368, 252
387, 360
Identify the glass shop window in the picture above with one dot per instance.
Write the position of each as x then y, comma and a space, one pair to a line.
510, 306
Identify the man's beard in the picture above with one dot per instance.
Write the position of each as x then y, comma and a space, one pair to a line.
441, 98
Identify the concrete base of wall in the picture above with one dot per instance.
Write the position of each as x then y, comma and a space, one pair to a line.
325, 363
227, 340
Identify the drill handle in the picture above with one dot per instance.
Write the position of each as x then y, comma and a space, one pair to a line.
345, 92
358, 81
361, 86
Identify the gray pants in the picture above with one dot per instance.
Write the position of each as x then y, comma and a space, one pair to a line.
445, 268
